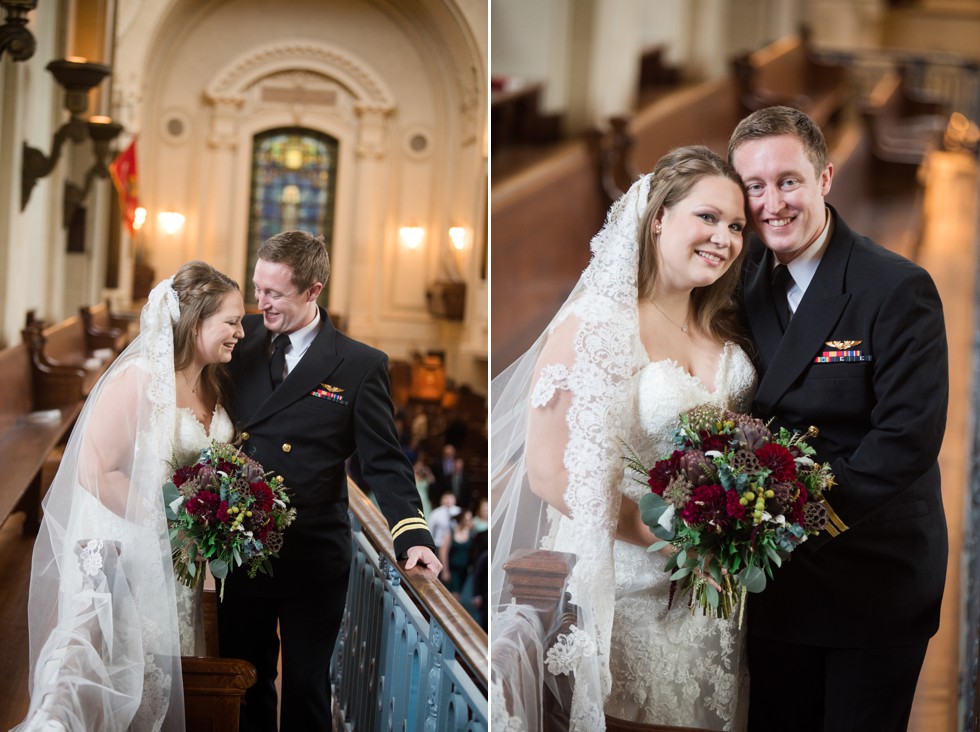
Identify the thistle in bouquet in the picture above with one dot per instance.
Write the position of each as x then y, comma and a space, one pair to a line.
227, 511
734, 500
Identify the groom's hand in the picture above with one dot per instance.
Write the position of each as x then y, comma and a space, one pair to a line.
423, 555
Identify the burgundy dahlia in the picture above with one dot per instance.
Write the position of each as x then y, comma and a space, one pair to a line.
779, 460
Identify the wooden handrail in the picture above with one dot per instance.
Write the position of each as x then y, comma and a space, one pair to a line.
430, 595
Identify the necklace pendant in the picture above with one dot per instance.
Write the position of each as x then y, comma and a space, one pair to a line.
684, 328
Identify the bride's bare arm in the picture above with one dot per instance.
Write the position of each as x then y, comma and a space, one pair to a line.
106, 453
547, 428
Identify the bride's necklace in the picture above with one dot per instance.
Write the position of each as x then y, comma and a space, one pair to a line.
196, 383
669, 319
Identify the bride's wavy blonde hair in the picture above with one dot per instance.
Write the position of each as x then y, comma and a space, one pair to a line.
673, 177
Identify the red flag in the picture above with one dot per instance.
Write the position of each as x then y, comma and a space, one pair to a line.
123, 171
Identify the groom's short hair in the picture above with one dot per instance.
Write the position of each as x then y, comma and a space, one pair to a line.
305, 253
779, 120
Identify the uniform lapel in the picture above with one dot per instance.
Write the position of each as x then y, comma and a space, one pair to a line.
319, 361
761, 316
818, 313
253, 385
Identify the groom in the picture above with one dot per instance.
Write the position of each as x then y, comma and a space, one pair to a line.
307, 396
850, 339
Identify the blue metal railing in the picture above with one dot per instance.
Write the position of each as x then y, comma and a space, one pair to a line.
409, 657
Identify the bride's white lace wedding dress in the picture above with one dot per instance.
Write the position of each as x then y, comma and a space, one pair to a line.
669, 666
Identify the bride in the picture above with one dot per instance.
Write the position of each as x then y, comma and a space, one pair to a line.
649, 331
108, 622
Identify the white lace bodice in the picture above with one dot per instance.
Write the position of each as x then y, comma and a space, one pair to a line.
670, 667
190, 436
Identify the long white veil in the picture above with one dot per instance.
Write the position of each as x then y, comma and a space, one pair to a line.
105, 652
579, 368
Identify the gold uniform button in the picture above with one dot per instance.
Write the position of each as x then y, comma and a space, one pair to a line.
286, 447
244, 436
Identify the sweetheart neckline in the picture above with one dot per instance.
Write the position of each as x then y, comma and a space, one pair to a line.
674, 364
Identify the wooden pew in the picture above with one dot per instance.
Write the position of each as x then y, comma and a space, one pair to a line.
69, 357
786, 72
543, 220
27, 436
901, 129
101, 329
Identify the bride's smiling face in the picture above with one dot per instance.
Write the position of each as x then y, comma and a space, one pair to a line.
700, 235
218, 333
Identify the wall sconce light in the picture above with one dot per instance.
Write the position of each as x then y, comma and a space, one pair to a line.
170, 221
102, 130
139, 218
77, 77
15, 39
457, 235
412, 236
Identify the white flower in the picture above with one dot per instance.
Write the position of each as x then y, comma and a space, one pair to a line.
804, 461
667, 518
713, 454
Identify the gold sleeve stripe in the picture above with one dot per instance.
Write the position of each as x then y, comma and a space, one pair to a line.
835, 521
832, 530
408, 525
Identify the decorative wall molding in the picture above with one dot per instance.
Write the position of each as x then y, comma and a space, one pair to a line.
241, 74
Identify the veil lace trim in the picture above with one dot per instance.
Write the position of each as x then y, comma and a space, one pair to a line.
599, 322
105, 650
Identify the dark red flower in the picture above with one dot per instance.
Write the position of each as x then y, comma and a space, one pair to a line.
182, 475
222, 513
721, 443
735, 509
779, 460
662, 471
225, 467
203, 504
707, 504
263, 496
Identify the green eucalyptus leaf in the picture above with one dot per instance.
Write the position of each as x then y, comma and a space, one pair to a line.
752, 579
219, 568
680, 573
711, 595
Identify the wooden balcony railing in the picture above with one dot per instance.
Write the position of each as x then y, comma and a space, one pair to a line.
409, 657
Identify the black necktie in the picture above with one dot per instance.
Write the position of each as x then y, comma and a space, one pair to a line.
277, 364
781, 281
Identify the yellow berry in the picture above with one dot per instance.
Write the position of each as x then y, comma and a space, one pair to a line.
749, 496
770, 493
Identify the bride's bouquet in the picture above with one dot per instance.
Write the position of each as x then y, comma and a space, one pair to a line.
734, 500
225, 510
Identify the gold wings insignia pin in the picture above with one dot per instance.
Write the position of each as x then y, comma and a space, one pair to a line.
338, 390
843, 345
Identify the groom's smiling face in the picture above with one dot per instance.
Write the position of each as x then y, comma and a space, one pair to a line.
285, 309
785, 193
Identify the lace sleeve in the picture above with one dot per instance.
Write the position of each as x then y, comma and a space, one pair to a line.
547, 429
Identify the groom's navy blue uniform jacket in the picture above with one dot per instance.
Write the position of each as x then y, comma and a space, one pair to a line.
864, 360
336, 400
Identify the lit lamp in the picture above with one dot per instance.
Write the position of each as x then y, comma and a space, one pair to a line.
412, 236
102, 130
15, 39
457, 235
77, 77
170, 221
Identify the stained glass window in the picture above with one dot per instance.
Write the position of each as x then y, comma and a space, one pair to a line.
294, 183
